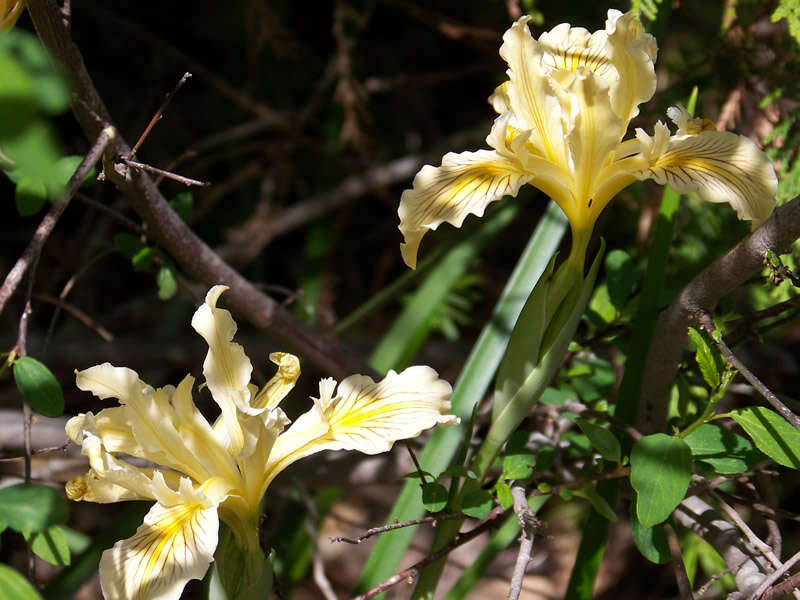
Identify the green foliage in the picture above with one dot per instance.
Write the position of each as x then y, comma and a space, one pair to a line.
30, 507
50, 545
602, 440
646, 8
434, 496
650, 541
661, 468
771, 434
14, 585
477, 504
38, 386
32, 92
518, 460
706, 359
727, 452
789, 10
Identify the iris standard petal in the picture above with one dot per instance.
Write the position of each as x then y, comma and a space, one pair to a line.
464, 184
173, 545
530, 93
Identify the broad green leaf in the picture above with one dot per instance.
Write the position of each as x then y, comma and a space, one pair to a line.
30, 195
167, 283
661, 467
61, 172
601, 310
434, 496
32, 507
39, 387
726, 451
651, 541
49, 86
620, 277
519, 461
50, 545
477, 504
602, 440
771, 434
13, 585
600, 504
705, 358
504, 497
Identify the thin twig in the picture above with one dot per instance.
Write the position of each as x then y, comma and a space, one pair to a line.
60, 448
49, 221
188, 181
708, 324
494, 518
78, 314
528, 523
775, 575
449, 516
157, 116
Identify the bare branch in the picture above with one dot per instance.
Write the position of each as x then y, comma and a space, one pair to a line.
384, 528
192, 254
702, 294
102, 138
528, 523
708, 324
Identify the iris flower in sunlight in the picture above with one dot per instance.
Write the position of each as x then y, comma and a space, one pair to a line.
9, 13
564, 111
200, 472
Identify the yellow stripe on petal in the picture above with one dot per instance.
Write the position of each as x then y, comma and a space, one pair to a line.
465, 184
722, 167
172, 546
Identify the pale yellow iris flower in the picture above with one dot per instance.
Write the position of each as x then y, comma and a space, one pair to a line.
199, 472
9, 13
563, 114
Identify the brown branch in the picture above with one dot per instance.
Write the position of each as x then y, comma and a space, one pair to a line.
529, 524
702, 294
174, 236
708, 324
102, 137
391, 527
495, 516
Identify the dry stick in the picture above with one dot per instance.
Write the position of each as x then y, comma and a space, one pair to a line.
192, 254
188, 181
708, 324
78, 314
528, 523
764, 548
780, 590
157, 116
448, 516
773, 577
495, 516
702, 294
45, 228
